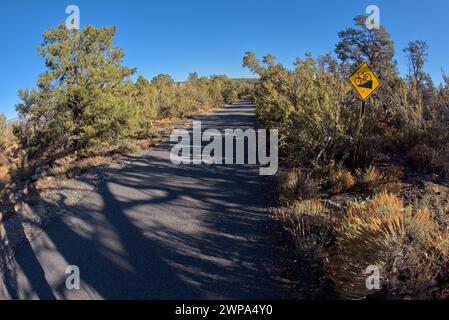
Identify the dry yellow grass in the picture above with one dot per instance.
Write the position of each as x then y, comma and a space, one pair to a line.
311, 227
6, 166
409, 246
287, 182
294, 184
404, 245
4, 174
372, 181
341, 180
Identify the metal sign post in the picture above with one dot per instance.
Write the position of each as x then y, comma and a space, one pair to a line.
364, 82
359, 135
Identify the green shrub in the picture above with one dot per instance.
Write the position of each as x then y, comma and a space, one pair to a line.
341, 180
317, 115
306, 106
2, 131
82, 99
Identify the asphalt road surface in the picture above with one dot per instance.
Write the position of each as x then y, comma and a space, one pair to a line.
155, 230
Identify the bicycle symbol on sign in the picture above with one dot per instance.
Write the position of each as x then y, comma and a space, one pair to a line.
364, 80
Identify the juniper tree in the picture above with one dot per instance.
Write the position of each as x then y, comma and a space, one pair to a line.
82, 98
305, 105
145, 99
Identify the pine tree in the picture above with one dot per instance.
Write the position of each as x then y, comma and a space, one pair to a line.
82, 98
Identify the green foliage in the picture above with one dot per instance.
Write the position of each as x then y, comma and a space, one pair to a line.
2, 130
163, 80
358, 44
306, 106
82, 98
162, 97
316, 114
86, 97
315, 111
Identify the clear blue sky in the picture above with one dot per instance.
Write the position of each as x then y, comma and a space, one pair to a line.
211, 36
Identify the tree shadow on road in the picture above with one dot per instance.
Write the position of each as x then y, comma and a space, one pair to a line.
155, 230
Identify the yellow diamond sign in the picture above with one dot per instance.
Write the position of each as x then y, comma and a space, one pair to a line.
364, 81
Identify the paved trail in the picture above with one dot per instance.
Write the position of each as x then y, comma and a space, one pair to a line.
154, 230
